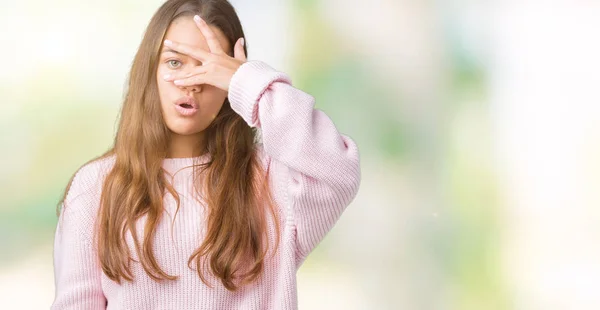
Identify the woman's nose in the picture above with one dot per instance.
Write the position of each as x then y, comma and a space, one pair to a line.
193, 88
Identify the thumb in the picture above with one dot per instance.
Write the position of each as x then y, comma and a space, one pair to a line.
238, 51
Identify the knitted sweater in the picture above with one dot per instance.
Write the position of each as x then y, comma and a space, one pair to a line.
314, 173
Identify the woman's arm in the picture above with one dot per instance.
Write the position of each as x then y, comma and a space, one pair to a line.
323, 164
77, 272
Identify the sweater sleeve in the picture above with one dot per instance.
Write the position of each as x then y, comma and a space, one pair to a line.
323, 165
77, 272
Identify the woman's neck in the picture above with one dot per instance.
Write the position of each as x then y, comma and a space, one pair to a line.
185, 146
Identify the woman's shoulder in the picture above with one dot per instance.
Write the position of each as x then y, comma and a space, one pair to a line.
89, 178
97, 168
83, 193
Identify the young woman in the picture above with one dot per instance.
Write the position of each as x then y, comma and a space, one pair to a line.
188, 210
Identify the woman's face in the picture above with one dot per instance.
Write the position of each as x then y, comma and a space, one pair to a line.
187, 110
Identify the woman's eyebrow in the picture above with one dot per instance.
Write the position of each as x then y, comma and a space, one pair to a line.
168, 50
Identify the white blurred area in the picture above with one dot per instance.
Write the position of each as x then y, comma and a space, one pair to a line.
543, 74
545, 81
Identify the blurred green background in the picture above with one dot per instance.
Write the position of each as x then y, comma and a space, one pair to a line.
477, 122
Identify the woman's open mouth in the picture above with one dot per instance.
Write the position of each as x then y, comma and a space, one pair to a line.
186, 106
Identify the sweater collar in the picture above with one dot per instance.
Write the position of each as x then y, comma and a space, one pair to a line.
173, 165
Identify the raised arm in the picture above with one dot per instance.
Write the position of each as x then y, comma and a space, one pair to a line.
324, 165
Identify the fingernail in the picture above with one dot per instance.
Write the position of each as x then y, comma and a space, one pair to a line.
177, 82
166, 76
168, 42
197, 18
243, 42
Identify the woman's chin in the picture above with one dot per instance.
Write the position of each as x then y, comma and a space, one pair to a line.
185, 131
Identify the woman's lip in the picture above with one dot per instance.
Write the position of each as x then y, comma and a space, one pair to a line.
187, 100
186, 111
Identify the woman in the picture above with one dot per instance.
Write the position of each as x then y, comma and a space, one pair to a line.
188, 210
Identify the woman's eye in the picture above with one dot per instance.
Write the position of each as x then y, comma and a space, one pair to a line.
174, 64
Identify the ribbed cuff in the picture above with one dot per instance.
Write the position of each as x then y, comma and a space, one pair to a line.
248, 84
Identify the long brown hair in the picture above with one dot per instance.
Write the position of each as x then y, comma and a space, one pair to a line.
235, 183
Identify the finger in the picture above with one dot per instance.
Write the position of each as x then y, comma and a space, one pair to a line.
238, 51
185, 74
193, 80
195, 53
213, 43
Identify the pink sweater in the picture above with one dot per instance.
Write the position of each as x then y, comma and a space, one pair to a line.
314, 175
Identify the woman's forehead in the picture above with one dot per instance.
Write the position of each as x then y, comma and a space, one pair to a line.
184, 30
